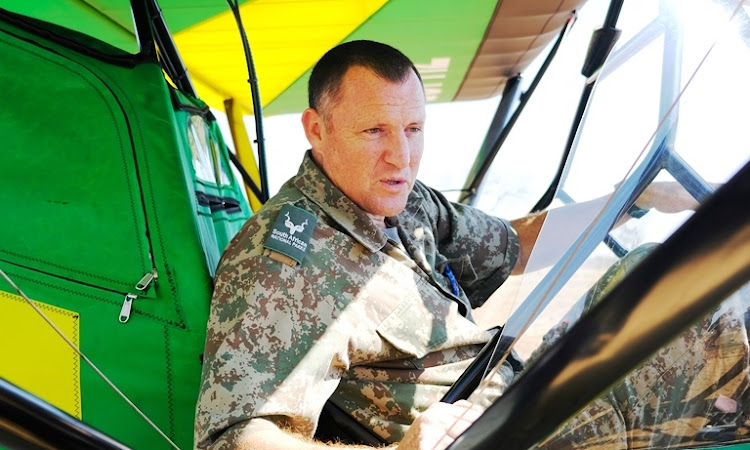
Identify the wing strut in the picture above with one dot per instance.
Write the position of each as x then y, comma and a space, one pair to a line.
501, 125
601, 44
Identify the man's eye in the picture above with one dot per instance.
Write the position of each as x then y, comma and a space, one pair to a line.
414, 129
372, 130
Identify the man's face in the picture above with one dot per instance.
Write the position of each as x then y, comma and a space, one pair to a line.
369, 140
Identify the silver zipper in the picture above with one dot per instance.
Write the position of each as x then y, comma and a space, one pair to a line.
127, 306
146, 280
142, 285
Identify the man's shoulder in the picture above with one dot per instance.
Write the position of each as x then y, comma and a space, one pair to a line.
283, 200
288, 207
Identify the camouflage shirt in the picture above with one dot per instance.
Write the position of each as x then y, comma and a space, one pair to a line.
373, 324
691, 393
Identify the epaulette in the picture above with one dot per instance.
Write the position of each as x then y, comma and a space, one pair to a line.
289, 236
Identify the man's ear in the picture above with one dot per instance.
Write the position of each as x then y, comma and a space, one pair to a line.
313, 124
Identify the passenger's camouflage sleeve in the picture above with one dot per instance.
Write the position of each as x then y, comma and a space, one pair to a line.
260, 355
481, 249
693, 392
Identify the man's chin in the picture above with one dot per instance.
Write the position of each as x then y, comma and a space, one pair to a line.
391, 209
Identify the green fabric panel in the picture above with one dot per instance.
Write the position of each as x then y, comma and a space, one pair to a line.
414, 27
111, 20
77, 15
229, 222
208, 237
98, 184
68, 171
216, 228
179, 14
157, 366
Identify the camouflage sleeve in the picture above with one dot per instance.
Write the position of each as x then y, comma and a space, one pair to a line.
691, 393
260, 360
481, 249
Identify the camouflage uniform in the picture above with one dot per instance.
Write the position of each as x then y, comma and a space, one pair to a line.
372, 325
693, 392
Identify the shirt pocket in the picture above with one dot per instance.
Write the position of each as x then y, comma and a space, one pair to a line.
425, 321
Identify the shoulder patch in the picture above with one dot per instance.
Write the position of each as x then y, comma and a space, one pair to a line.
291, 233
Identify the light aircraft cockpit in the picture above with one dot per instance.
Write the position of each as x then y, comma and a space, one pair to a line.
126, 168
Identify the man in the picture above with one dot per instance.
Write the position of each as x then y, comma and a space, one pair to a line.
354, 285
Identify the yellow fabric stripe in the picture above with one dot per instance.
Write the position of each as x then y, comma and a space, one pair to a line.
286, 38
35, 358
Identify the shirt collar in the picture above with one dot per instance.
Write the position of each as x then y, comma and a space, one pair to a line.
315, 185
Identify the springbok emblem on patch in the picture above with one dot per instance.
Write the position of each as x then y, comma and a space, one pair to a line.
292, 227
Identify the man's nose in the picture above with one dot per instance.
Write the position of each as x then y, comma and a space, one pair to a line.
398, 151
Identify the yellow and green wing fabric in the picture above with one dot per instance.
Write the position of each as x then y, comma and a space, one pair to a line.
465, 50
117, 191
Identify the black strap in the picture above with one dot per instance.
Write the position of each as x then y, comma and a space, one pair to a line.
337, 426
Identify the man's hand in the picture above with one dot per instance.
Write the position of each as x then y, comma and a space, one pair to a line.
666, 197
439, 426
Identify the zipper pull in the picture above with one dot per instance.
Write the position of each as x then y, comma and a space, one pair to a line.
147, 280
127, 305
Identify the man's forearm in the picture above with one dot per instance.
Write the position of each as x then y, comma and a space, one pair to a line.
263, 434
435, 429
569, 220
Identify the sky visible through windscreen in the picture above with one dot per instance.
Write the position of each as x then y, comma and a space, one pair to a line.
526, 163
454, 132
623, 115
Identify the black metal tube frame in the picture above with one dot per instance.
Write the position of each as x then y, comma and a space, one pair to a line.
599, 49
257, 105
27, 422
482, 165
